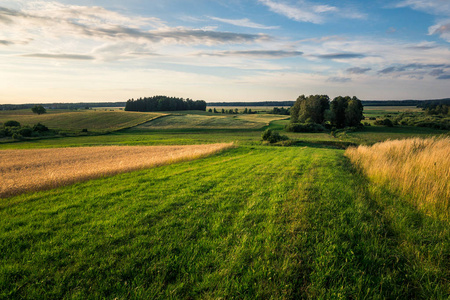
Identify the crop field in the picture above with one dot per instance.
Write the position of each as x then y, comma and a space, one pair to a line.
98, 121
25, 170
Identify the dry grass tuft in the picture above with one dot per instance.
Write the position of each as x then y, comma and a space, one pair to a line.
38, 169
417, 167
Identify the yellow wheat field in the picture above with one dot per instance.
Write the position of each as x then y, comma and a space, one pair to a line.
417, 167
37, 169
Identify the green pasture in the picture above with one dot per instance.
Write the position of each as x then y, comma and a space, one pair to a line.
254, 222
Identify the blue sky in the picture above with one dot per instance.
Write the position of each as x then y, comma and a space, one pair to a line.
253, 50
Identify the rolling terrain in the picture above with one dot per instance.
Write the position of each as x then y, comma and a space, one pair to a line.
253, 221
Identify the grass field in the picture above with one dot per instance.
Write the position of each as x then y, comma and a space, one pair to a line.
253, 222
211, 121
97, 121
37, 169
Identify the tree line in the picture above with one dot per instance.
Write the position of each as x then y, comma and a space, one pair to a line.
164, 103
317, 112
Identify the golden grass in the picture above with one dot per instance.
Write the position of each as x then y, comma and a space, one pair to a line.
417, 167
38, 169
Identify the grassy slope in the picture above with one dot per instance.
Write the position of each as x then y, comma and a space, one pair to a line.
254, 222
99, 121
210, 121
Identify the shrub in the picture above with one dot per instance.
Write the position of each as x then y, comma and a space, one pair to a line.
273, 136
26, 131
40, 127
305, 127
385, 122
17, 136
12, 124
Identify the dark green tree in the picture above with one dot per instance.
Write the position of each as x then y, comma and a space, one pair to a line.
311, 109
38, 109
346, 111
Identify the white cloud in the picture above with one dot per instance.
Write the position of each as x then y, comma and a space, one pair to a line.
243, 23
435, 7
303, 11
442, 28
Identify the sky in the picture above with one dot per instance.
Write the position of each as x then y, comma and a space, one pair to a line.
236, 50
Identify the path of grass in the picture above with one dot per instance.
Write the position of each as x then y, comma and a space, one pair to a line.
253, 222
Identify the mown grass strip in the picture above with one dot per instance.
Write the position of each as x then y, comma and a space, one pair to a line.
252, 222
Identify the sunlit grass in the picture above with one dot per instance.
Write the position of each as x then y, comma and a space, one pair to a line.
37, 169
417, 167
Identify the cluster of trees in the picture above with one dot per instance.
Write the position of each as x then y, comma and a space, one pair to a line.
438, 109
15, 130
280, 111
318, 109
164, 103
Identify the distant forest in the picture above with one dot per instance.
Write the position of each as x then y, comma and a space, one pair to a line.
164, 103
86, 105
81, 105
265, 103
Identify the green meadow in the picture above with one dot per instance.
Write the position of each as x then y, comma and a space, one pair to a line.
254, 222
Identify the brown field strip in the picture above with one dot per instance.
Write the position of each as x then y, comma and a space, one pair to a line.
38, 169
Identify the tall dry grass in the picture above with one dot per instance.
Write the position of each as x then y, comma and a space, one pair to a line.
38, 169
417, 167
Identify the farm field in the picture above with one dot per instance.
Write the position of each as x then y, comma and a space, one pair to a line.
97, 121
34, 169
253, 221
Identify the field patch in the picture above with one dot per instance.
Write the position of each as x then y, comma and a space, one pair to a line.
36, 169
98, 121
216, 121
417, 167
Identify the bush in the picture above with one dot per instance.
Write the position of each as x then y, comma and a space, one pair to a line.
17, 136
26, 131
305, 127
12, 124
40, 127
273, 136
385, 122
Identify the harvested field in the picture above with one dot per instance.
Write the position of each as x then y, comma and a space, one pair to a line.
38, 169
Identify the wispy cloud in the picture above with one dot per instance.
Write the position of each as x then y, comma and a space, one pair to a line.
303, 11
60, 56
445, 76
96, 23
357, 70
244, 23
269, 54
436, 7
442, 28
341, 55
339, 79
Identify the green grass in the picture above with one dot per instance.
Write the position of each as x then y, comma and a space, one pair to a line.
251, 223
96, 121
373, 134
210, 121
